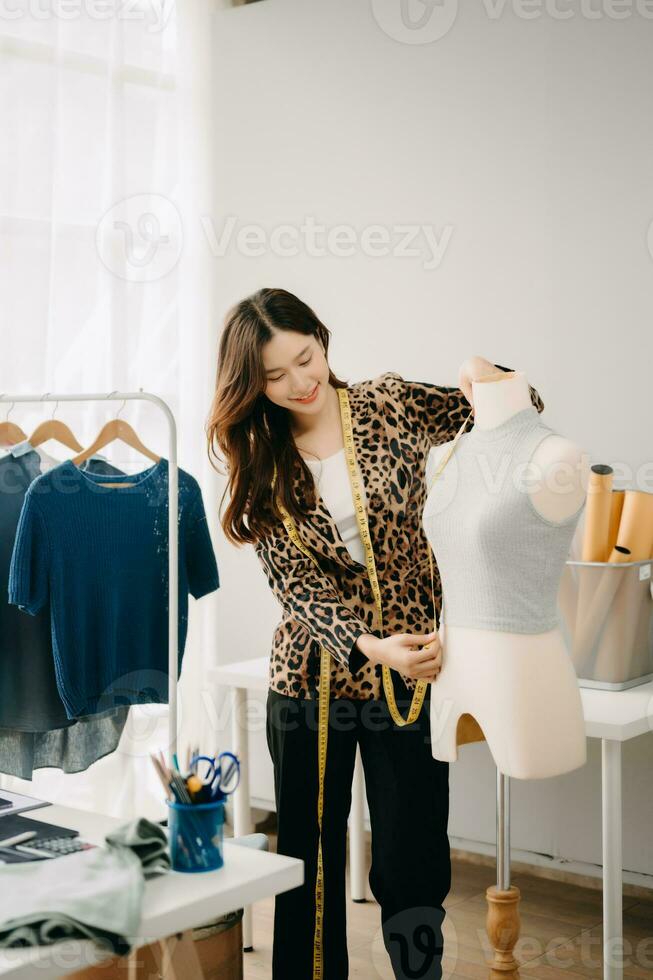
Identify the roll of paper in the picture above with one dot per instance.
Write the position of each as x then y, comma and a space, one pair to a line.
612, 597
635, 536
616, 507
636, 524
596, 531
616, 650
599, 596
597, 513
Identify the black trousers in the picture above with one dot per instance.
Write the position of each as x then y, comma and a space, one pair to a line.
408, 798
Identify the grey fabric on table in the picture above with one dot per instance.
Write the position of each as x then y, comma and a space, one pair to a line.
35, 732
95, 894
148, 840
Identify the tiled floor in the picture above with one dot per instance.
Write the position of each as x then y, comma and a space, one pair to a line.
561, 935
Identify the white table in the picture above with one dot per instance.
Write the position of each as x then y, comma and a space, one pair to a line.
612, 716
172, 903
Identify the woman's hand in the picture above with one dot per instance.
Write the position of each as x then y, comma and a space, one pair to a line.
473, 369
416, 656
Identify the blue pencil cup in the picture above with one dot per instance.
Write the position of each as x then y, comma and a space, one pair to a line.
196, 833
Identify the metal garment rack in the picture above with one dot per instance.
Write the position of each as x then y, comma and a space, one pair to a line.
173, 531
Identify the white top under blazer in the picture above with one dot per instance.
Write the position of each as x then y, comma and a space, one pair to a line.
331, 478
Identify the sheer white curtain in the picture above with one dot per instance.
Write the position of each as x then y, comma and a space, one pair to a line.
106, 277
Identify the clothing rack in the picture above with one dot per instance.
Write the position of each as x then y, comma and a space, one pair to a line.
173, 529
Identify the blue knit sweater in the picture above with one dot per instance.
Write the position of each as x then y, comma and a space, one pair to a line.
99, 556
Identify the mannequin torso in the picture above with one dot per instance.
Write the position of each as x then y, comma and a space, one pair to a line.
520, 687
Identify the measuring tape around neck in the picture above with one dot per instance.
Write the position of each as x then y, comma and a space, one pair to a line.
325, 667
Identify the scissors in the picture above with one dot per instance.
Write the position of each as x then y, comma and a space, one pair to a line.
220, 779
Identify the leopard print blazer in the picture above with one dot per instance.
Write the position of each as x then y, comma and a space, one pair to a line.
395, 424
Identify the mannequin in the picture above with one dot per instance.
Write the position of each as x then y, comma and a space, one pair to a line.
520, 687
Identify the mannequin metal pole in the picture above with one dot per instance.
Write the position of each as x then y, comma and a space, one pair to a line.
503, 831
502, 922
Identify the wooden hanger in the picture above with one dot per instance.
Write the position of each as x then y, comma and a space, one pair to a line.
115, 429
10, 433
54, 429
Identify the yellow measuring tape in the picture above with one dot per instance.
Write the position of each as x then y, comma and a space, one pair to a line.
325, 667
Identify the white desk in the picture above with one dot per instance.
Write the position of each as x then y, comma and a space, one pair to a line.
612, 716
172, 902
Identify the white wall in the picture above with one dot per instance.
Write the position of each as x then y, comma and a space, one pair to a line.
526, 146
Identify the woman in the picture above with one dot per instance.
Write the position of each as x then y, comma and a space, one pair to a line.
276, 417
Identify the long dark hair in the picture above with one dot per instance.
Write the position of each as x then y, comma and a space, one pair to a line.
250, 430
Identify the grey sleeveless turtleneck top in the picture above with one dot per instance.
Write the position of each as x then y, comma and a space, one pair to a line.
500, 560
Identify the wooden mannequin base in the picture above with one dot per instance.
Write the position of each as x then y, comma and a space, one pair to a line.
502, 925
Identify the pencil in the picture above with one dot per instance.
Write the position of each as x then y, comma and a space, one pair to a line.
161, 774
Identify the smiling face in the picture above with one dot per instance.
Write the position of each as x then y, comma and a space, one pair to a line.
296, 366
